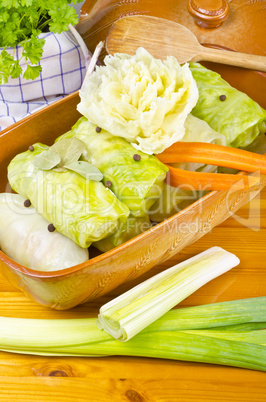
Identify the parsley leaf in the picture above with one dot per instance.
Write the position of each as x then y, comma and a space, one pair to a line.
62, 17
10, 3
26, 3
33, 49
32, 72
21, 22
15, 70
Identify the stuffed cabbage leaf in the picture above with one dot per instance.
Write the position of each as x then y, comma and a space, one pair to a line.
172, 201
197, 130
136, 183
24, 237
131, 228
227, 110
83, 210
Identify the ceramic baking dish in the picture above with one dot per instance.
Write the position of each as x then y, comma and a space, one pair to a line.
67, 288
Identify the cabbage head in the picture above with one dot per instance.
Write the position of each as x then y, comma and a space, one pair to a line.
140, 98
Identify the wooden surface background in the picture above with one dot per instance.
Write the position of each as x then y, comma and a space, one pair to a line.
33, 378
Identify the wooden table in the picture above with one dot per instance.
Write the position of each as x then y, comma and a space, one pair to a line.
31, 378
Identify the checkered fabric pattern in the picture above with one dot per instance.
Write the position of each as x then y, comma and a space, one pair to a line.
63, 70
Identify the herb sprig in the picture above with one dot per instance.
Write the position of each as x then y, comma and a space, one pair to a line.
21, 22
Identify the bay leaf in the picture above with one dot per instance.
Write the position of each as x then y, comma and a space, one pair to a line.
69, 149
86, 170
46, 160
60, 169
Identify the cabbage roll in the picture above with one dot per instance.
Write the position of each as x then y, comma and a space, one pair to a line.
197, 130
227, 110
133, 227
137, 183
24, 237
83, 210
172, 201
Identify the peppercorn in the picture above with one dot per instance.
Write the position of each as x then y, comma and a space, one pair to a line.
222, 97
98, 129
51, 227
108, 184
27, 203
136, 157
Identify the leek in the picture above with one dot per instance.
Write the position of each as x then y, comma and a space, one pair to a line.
236, 315
258, 337
247, 326
238, 344
130, 313
168, 345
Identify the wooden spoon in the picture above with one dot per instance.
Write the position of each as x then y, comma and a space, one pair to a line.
163, 38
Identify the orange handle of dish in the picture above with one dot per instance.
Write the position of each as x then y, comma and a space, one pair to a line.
201, 181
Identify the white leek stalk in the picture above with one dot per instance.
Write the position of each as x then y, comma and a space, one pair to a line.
173, 336
128, 314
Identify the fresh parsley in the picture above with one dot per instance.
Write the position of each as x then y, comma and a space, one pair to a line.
21, 22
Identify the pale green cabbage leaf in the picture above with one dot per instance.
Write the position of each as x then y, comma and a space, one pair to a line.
24, 237
81, 209
238, 117
172, 201
127, 231
136, 183
197, 130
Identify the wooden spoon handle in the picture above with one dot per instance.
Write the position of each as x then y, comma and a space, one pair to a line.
251, 61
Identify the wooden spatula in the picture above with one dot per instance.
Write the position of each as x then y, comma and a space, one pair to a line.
163, 38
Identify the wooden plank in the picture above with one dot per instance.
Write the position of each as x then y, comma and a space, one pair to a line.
120, 382
5, 285
112, 367
49, 379
252, 214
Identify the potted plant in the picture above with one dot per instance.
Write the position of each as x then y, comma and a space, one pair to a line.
40, 59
